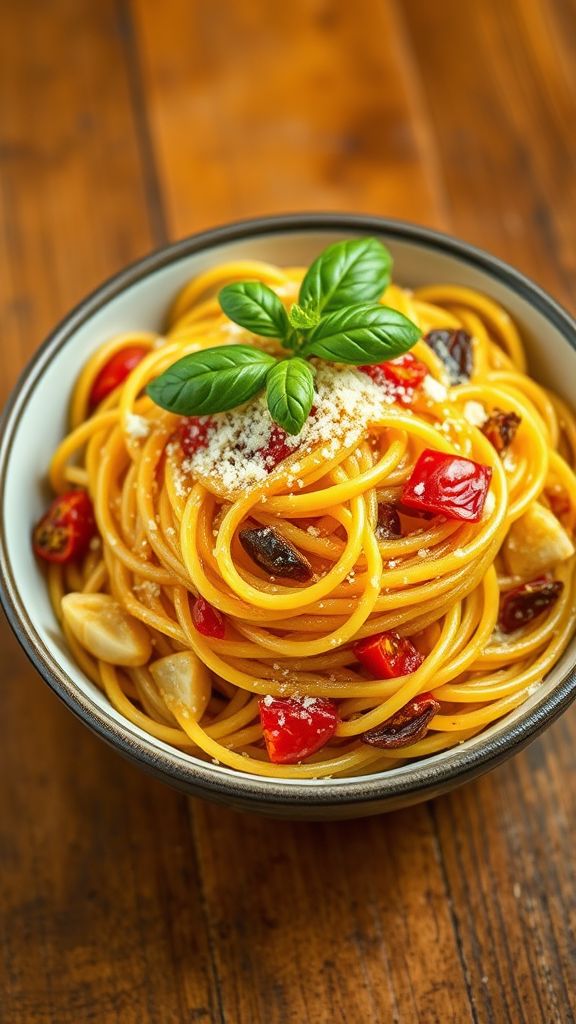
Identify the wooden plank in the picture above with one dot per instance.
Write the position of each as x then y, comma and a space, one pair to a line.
339, 922
499, 107
500, 91
121, 900
336, 922
100, 909
308, 107
507, 846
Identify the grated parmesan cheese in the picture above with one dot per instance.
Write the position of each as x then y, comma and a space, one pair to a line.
434, 389
136, 427
346, 401
475, 413
148, 588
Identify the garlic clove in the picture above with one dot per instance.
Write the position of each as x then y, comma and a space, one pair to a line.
535, 543
106, 630
184, 682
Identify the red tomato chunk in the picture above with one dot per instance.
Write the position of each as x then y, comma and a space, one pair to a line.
115, 371
193, 433
276, 450
294, 728
448, 485
388, 655
400, 377
207, 619
66, 529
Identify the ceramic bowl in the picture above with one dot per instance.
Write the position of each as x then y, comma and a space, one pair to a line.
138, 297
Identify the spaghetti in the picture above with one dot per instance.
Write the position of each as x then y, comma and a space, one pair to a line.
171, 500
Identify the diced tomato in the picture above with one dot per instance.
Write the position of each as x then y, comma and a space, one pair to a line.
277, 449
448, 485
193, 433
294, 728
207, 619
400, 377
115, 371
66, 529
388, 655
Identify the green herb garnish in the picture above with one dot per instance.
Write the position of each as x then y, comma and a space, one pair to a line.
338, 319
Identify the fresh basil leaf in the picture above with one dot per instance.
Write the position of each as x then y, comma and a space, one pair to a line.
361, 335
290, 393
303, 318
211, 381
256, 307
347, 273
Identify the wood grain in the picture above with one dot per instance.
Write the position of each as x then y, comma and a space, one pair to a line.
122, 124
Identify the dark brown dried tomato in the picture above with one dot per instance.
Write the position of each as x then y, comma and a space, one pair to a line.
416, 513
407, 726
454, 349
275, 554
500, 429
525, 603
559, 500
388, 521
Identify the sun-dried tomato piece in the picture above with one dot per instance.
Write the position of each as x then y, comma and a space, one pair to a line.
454, 348
416, 513
388, 521
559, 500
207, 619
525, 603
275, 554
500, 429
407, 726
193, 433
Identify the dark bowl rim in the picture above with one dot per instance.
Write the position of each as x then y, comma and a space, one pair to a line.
416, 781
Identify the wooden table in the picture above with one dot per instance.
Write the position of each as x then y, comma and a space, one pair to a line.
123, 124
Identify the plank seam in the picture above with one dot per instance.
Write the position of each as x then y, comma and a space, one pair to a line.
453, 917
145, 145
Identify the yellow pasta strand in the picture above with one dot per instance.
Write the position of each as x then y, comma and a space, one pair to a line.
168, 537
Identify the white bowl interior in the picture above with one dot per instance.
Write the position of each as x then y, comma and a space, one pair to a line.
42, 421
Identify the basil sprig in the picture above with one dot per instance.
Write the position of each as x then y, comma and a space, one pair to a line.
337, 318
290, 393
347, 273
257, 308
214, 380
361, 335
